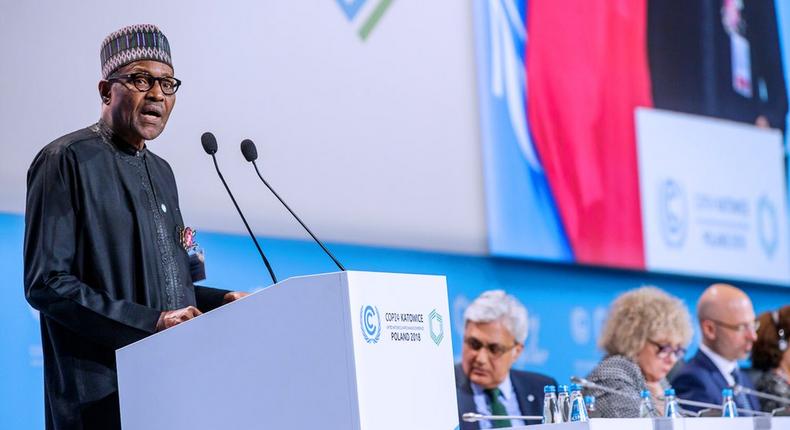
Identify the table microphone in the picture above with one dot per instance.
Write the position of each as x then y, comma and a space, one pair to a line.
472, 417
590, 384
715, 406
737, 388
586, 383
251, 154
209, 143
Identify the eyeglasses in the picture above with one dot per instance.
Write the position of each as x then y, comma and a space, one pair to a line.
495, 349
747, 327
664, 350
144, 82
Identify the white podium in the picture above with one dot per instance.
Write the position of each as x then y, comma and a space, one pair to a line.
348, 350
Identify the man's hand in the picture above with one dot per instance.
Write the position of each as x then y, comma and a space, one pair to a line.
168, 319
234, 295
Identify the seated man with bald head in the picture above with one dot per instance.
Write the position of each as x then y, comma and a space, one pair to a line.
727, 324
495, 328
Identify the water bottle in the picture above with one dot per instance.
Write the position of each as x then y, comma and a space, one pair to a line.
592, 411
728, 407
551, 411
646, 409
564, 403
671, 408
578, 408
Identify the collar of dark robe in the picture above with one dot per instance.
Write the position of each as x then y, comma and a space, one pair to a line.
111, 138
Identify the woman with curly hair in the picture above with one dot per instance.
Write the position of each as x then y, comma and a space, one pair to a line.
771, 354
646, 333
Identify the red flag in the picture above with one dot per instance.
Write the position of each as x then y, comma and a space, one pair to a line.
587, 70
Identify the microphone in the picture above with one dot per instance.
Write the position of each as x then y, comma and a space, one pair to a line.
209, 143
251, 154
473, 417
707, 405
737, 388
586, 383
589, 384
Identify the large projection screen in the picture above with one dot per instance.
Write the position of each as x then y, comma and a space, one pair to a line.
571, 168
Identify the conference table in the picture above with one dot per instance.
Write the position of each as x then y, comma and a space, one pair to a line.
740, 423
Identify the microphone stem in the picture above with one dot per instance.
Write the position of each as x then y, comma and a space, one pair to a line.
337, 263
747, 390
589, 384
472, 417
249, 230
715, 406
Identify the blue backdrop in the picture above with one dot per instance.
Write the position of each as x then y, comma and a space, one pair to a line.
567, 304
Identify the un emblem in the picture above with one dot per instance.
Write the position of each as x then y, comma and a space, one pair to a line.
370, 322
436, 327
767, 226
673, 213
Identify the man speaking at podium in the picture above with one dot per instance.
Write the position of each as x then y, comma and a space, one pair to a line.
105, 251
495, 328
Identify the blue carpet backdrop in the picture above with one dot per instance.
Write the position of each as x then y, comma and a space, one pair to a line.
567, 304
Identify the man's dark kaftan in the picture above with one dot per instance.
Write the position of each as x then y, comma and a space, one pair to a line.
103, 258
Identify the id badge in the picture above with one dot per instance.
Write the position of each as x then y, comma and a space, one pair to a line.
741, 65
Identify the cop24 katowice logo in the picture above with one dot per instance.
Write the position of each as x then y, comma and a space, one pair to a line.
436, 327
370, 323
767, 226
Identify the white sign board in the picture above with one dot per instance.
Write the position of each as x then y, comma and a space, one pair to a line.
713, 197
403, 351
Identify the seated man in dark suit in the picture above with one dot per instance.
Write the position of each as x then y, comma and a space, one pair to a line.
494, 335
727, 323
